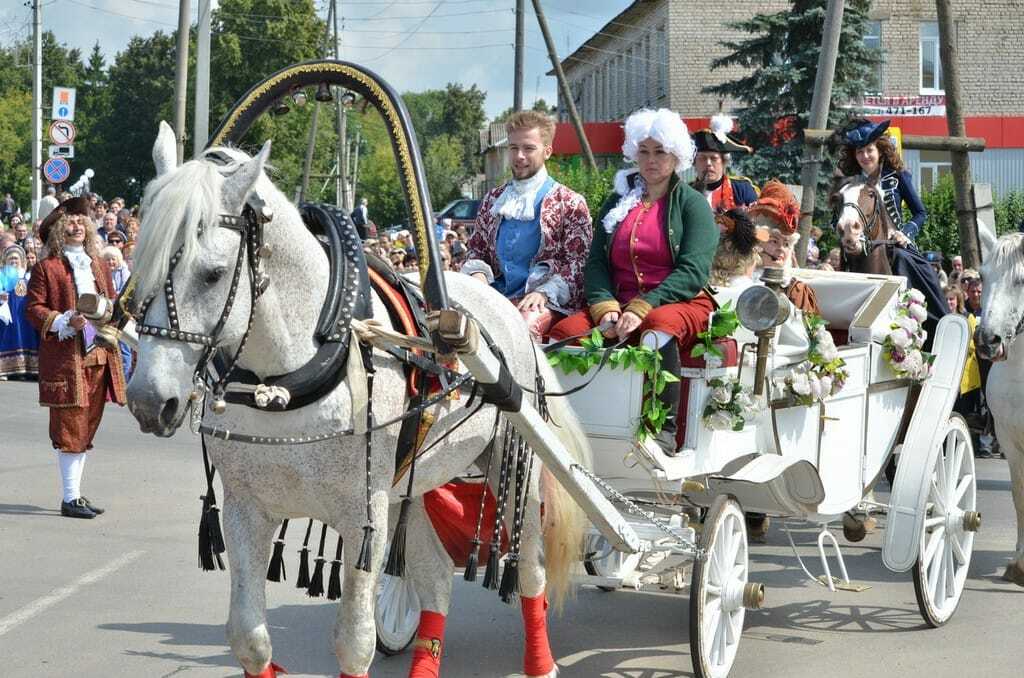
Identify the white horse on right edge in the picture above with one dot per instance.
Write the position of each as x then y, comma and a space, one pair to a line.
1002, 322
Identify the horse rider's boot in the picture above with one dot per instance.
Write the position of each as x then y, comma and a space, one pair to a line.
272, 671
669, 397
537, 659
426, 657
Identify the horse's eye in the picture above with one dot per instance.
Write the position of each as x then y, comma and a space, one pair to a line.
214, 276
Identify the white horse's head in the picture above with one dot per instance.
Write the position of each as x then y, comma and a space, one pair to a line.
1002, 275
180, 217
858, 207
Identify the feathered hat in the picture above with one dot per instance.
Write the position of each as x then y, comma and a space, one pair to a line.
79, 205
738, 229
860, 132
778, 203
716, 139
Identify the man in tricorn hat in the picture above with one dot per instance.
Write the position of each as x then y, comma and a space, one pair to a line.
75, 374
714, 147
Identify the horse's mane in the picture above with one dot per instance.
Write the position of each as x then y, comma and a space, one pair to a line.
173, 207
1008, 252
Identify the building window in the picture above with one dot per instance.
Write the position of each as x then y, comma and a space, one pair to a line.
931, 65
662, 51
933, 166
873, 40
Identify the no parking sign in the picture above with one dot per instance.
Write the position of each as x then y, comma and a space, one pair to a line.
56, 170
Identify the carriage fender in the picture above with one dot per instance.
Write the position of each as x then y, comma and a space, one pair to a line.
919, 454
770, 483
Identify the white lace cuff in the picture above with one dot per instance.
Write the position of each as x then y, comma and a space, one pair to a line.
5, 313
61, 326
471, 266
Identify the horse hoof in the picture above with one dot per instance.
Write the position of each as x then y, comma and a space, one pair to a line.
1014, 573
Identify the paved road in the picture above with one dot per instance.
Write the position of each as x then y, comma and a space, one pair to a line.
120, 596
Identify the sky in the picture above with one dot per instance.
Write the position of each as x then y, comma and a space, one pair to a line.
413, 44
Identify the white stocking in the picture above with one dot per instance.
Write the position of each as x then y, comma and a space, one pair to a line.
71, 465
655, 339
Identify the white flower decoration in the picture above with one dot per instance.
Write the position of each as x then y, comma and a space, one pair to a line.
900, 338
918, 312
722, 394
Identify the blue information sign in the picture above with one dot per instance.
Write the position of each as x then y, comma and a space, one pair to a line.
56, 170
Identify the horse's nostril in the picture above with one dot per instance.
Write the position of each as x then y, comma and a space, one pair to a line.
169, 410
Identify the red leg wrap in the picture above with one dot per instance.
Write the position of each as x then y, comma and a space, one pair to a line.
349, 675
426, 659
537, 659
272, 671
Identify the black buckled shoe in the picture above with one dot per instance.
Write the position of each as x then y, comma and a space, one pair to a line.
95, 509
76, 508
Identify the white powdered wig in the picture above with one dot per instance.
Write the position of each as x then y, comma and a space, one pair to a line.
173, 207
665, 127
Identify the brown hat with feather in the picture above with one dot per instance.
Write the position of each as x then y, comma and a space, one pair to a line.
71, 206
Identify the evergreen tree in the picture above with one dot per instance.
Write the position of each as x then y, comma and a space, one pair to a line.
780, 61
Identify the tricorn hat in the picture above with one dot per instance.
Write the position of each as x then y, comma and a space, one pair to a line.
862, 132
716, 138
78, 205
778, 203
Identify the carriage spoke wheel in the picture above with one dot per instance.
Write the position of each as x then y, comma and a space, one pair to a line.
396, 614
604, 561
951, 518
721, 592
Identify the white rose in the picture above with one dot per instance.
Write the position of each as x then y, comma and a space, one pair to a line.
899, 338
799, 383
828, 353
918, 313
912, 363
722, 394
907, 323
826, 386
823, 337
915, 296
720, 421
743, 400
815, 386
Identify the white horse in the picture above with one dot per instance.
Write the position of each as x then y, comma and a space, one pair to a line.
1001, 323
325, 480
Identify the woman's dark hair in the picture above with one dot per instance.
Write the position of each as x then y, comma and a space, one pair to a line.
847, 163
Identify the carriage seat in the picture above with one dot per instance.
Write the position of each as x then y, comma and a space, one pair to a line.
858, 307
729, 349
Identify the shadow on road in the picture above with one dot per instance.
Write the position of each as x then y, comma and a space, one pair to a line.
27, 510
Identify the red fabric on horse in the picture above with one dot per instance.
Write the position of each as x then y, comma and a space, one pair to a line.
426, 658
272, 671
537, 659
453, 510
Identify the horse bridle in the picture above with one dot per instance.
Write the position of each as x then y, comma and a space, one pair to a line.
869, 224
249, 225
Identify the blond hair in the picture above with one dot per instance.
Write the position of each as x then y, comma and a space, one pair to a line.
527, 120
729, 262
55, 243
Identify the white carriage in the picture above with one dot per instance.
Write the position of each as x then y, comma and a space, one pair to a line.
816, 463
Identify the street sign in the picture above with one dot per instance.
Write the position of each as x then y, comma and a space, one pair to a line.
62, 132
56, 170
63, 103
62, 151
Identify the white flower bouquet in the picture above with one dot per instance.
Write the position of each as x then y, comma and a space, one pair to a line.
903, 345
730, 406
822, 374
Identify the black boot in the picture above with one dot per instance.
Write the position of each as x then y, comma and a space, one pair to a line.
669, 397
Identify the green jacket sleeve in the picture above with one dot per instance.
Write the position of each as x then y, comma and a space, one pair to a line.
597, 278
692, 225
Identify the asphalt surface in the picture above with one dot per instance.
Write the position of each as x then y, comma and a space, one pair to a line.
121, 595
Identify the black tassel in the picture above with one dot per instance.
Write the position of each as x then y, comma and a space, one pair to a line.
471, 562
303, 581
334, 585
491, 573
396, 555
509, 590
276, 571
316, 582
364, 552
211, 540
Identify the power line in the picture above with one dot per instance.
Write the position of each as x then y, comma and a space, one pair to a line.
127, 16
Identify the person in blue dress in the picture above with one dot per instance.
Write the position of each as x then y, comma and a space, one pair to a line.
868, 151
19, 341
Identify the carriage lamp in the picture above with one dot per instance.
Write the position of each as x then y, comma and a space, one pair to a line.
348, 99
280, 107
299, 97
323, 93
761, 310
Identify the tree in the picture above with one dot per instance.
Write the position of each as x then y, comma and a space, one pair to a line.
539, 105
16, 145
780, 60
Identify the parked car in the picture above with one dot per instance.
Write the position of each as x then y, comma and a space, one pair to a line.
461, 212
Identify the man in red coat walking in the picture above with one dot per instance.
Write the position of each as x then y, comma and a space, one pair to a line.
76, 375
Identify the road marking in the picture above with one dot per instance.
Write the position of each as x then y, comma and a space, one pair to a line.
57, 595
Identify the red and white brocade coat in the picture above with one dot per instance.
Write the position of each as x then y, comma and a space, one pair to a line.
557, 269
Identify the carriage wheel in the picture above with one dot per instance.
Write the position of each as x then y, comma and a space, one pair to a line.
616, 564
951, 519
720, 593
396, 614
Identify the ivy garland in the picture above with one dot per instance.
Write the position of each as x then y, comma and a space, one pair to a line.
723, 323
642, 359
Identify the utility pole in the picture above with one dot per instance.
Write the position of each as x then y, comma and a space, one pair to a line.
563, 86
355, 161
832, 29
520, 48
344, 199
181, 77
37, 104
961, 162
202, 108
307, 164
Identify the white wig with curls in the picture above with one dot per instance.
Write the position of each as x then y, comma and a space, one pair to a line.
665, 127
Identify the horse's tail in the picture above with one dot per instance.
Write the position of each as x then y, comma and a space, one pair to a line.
564, 522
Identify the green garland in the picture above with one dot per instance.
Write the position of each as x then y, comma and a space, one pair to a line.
723, 323
642, 359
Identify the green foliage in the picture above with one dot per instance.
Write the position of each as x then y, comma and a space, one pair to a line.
16, 144
644, 360
779, 61
941, 230
594, 185
539, 105
723, 323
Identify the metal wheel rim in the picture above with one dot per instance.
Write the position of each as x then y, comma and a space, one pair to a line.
397, 613
722, 579
946, 548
